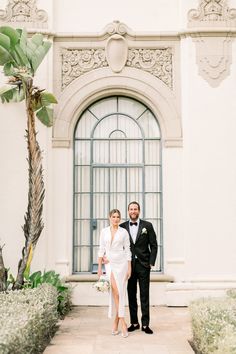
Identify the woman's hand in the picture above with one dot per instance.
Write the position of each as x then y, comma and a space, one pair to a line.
128, 275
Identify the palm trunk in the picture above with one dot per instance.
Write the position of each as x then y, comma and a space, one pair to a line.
3, 273
33, 225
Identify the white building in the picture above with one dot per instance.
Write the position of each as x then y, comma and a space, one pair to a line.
146, 111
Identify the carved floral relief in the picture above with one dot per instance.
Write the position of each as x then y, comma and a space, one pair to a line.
76, 62
157, 62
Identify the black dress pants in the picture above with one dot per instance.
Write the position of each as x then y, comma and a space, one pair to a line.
139, 274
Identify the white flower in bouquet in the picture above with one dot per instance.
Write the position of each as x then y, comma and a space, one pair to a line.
102, 285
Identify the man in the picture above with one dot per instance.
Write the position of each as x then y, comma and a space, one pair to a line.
143, 244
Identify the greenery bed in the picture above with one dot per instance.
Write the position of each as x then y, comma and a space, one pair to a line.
28, 319
214, 325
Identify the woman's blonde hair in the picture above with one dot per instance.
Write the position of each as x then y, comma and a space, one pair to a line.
113, 211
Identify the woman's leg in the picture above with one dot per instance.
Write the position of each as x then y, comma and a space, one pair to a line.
115, 294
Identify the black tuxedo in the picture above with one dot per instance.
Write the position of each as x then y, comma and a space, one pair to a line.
144, 252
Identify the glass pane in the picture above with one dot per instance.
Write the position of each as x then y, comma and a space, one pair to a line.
100, 205
117, 151
131, 107
152, 152
82, 233
149, 125
152, 179
129, 126
82, 206
82, 152
117, 179
134, 151
101, 152
82, 179
105, 127
85, 125
100, 180
102, 107
153, 206
134, 180
82, 259
118, 201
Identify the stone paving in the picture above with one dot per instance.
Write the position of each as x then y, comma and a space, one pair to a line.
87, 330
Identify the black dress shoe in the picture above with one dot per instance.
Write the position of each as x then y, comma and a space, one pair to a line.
133, 327
147, 330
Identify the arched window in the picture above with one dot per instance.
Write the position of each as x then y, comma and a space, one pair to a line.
117, 159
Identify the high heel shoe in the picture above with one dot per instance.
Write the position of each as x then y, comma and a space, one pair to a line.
114, 333
125, 334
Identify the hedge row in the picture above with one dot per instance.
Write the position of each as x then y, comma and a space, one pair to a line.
28, 319
214, 325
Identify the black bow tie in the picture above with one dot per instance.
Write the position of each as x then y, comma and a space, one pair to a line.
133, 223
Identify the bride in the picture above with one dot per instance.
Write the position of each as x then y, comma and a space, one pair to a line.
115, 248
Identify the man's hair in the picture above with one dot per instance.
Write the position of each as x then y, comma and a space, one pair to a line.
134, 203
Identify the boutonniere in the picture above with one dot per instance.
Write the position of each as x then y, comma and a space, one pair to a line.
144, 231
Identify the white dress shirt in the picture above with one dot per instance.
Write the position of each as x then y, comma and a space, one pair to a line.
133, 230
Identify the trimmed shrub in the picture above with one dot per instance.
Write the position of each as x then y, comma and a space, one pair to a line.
64, 292
214, 325
28, 319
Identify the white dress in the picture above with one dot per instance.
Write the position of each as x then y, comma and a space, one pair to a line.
118, 254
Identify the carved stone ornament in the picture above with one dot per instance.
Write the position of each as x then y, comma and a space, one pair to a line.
25, 13
157, 62
212, 12
76, 62
117, 27
213, 58
116, 52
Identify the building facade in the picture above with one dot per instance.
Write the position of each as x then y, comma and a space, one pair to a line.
146, 111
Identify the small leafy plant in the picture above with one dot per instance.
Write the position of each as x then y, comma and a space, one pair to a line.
51, 277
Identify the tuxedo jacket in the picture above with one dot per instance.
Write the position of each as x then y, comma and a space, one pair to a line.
145, 246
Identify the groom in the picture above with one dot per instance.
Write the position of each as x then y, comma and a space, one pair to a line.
143, 244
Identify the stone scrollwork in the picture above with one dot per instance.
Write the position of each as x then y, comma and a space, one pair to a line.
157, 62
212, 11
25, 12
117, 27
76, 62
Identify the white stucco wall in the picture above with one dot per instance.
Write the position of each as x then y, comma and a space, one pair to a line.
198, 179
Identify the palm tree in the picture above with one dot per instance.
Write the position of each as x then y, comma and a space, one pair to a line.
20, 57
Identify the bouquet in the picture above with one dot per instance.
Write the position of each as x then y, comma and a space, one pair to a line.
102, 284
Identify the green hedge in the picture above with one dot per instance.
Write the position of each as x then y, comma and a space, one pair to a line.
28, 319
214, 325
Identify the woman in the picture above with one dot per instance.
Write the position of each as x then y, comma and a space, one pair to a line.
115, 247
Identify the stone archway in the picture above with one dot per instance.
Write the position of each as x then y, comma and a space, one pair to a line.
132, 82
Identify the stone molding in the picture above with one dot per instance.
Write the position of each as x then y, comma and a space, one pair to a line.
24, 13
213, 50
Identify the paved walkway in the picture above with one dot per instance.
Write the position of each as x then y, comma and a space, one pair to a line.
87, 330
